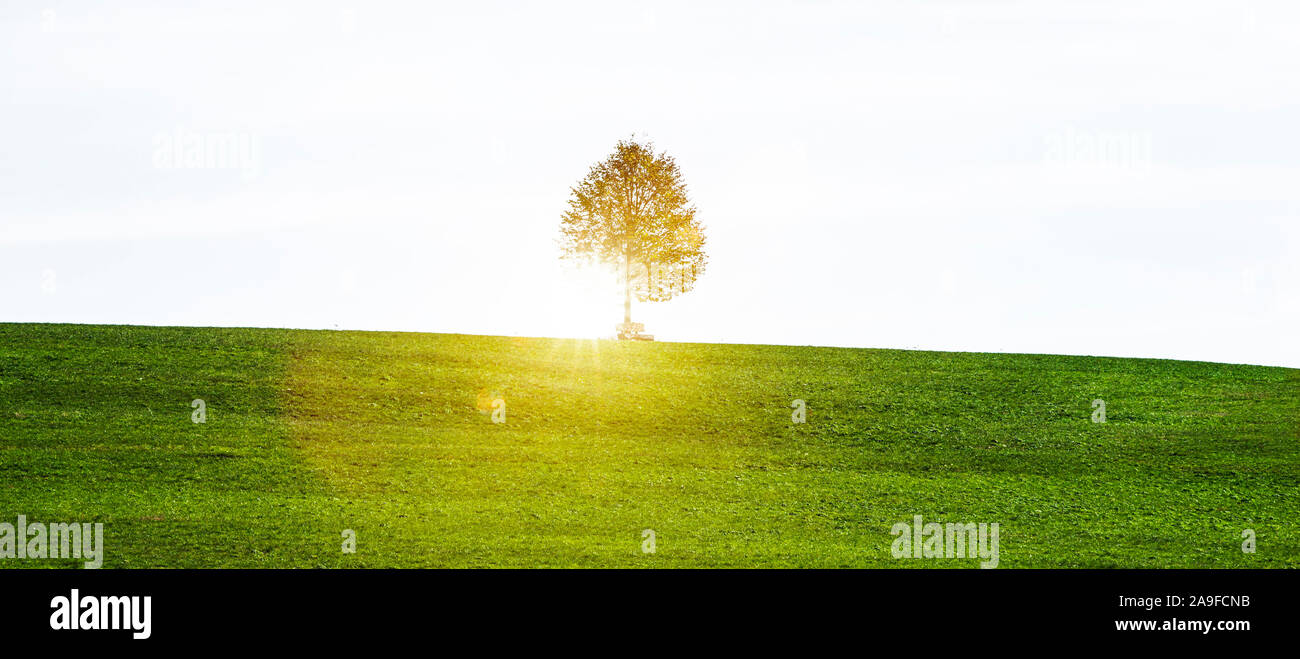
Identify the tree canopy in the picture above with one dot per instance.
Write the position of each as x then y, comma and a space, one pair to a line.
632, 211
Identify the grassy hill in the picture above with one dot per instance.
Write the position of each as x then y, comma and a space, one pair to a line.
310, 432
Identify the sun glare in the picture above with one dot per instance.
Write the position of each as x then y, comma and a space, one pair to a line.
590, 303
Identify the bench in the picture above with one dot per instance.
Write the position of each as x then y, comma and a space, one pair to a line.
633, 332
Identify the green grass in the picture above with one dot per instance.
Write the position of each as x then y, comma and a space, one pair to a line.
313, 432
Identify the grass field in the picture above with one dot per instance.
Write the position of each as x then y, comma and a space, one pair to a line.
311, 432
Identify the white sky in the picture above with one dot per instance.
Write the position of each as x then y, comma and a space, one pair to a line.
1117, 178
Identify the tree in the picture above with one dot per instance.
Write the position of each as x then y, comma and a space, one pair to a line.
632, 211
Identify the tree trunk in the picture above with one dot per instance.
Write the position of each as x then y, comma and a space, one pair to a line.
627, 288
